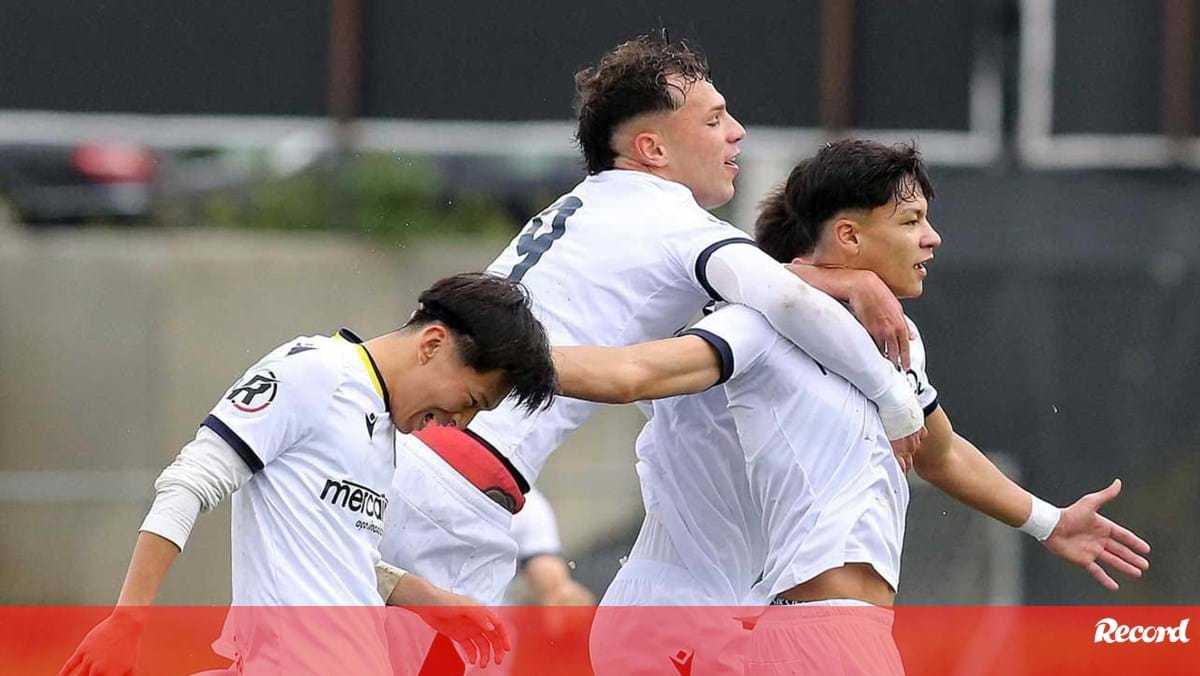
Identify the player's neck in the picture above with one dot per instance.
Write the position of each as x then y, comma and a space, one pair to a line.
829, 258
389, 353
629, 164
662, 173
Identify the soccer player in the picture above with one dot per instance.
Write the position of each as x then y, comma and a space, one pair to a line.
700, 546
304, 442
539, 556
629, 255
820, 469
547, 576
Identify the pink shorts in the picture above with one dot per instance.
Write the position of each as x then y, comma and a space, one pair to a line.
824, 640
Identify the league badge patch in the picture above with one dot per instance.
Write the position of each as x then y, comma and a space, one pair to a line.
256, 393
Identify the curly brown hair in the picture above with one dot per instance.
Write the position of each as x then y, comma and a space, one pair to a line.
631, 79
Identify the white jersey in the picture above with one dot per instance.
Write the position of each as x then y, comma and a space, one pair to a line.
535, 529
619, 260
700, 545
820, 467
693, 477
310, 420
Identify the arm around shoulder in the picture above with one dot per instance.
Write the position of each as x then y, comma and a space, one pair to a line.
817, 324
654, 370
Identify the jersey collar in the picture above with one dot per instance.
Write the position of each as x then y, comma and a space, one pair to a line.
369, 364
678, 190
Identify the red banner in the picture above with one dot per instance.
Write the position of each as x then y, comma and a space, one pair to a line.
980, 641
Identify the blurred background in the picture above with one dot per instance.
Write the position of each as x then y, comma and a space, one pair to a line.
184, 186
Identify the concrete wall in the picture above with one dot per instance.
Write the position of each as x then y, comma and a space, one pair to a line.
114, 345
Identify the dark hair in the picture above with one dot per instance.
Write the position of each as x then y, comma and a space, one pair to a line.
847, 174
492, 322
631, 79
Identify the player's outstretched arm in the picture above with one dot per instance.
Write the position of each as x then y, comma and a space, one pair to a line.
820, 326
1078, 534
963, 472
478, 630
111, 647
620, 375
1089, 540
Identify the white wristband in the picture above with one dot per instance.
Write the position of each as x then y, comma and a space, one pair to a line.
1042, 519
899, 410
386, 578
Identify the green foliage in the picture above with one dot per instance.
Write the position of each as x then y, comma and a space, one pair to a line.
392, 198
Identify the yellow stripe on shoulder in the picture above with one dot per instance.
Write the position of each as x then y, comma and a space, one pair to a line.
366, 360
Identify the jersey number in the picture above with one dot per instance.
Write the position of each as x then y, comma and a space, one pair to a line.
532, 247
918, 387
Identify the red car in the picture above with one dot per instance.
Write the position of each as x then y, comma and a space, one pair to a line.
72, 183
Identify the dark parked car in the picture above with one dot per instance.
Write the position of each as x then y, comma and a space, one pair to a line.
71, 183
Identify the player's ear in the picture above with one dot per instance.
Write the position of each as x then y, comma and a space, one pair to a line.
845, 233
641, 141
431, 339
649, 149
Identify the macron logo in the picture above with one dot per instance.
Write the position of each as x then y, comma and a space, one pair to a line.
682, 662
1109, 630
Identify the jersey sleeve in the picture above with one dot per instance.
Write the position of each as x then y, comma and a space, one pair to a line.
204, 473
814, 322
691, 249
535, 529
740, 336
917, 376
274, 404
